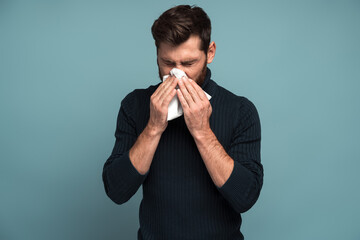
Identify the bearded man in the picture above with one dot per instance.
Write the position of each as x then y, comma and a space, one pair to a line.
200, 169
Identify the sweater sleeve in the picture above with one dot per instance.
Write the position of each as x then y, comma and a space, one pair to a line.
121, 179
242, 188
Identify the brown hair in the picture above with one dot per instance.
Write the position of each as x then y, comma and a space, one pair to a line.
176, 25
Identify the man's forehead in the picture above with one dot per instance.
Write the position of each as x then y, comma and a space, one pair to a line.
188, 50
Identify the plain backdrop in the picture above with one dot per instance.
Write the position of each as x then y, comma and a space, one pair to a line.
65, 66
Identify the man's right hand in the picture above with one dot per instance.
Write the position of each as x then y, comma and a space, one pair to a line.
159, 103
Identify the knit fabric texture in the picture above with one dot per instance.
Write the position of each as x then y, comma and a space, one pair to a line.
180, 200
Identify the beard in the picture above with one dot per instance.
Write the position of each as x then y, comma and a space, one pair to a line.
199, 80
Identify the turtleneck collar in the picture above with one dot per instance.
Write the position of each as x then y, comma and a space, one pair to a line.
207, 78
208, 85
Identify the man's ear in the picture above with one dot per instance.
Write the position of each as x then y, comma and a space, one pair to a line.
211, 52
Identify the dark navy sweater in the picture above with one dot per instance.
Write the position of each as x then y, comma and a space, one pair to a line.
180, 200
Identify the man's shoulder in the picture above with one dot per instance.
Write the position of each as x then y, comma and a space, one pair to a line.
233, 100
232, 113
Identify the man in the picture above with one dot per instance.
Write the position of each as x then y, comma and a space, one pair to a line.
199, 171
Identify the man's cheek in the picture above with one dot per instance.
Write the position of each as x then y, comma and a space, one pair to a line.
165, 70
190, 74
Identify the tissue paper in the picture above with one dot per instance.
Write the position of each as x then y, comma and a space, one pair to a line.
175, 110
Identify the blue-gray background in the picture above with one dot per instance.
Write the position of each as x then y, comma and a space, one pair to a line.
66, 65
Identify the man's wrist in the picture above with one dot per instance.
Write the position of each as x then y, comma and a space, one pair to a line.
152, 131
203, 135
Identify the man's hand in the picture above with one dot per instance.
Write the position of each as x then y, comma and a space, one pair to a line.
197, 108
159, 103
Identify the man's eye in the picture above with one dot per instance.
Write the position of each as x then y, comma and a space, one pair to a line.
187, 64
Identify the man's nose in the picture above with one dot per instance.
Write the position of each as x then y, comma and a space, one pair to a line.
180, 67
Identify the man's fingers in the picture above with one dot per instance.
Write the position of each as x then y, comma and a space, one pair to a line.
192, 90
162, 87
159, 89
198, 90
168, 88
182, 100
185, 92
168, 98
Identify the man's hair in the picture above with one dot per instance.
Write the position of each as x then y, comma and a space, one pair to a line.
177, 24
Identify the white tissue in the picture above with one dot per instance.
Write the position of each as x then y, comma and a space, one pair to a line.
175, 110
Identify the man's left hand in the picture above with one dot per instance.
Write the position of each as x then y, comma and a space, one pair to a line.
196, 106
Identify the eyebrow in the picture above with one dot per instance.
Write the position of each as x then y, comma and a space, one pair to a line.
190, 61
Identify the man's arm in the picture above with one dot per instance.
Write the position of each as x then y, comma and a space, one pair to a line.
130, 161
142, 153
237, 174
